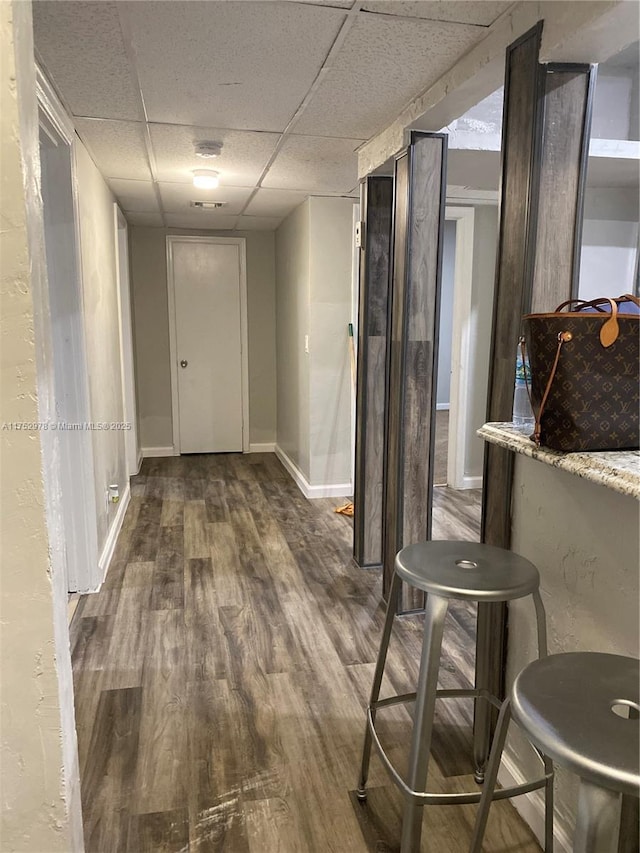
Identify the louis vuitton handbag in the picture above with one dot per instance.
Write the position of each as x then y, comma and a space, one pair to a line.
585, 381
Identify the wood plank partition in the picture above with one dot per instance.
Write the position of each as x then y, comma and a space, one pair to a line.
545, 137
418, 223
375, 261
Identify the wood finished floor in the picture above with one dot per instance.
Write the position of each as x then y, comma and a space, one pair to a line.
222, 671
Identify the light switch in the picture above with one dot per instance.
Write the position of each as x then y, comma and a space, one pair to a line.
306, 343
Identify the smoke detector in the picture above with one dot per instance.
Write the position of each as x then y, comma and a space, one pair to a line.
208, 205
208, 150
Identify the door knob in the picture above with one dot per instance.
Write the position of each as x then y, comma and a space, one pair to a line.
184, 362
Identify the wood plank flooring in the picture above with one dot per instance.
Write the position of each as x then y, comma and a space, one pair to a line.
221, 676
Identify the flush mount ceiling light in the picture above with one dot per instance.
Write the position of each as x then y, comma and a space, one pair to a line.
205, 179
208, 150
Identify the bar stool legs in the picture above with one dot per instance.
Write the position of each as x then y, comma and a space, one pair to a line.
361, 792
443, 570
491, 777
436, 611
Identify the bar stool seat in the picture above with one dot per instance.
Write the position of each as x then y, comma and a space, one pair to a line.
581, 709
468, 571
446, 570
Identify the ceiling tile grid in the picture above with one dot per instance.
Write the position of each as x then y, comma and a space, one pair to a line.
245, 65
290, 89
82, 48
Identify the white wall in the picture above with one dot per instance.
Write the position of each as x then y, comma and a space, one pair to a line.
584, 539
615, 106
293, 284
100, 294
609, 242
40, 781
151, 337
331, 258
314, 255
443, 396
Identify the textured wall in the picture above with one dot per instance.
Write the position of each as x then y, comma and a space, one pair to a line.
36, 711
584, 539
292, 324
151, 340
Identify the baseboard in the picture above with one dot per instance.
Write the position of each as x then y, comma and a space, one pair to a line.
443, 407
472, 482
148, 452
530, 807
331, 490
140, 458
269, 447
114, 530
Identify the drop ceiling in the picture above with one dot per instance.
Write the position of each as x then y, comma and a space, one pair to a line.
290, 89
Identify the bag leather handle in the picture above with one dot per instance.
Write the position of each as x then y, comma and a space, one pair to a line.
610, 329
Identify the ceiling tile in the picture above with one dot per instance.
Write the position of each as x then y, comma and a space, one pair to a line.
241, 65
275, 202
258, 223
383, 63
118, 148
244, 154
315, 164
480, 12
82, 49
150, 220
177, 198
136, 196
201, 219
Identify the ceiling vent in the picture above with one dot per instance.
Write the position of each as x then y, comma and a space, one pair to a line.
208, 150
208, 205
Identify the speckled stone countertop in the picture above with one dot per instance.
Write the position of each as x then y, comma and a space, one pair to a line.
618, 470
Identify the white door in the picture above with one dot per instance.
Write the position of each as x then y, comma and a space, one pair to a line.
206, 278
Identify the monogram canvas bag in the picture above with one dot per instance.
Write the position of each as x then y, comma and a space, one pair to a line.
585, 381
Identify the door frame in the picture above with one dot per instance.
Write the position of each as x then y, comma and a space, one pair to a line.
241, 242
463, 340
125, 328
70, 478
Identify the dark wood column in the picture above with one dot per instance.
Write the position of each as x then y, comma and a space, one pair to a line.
418, 220
545, 137
371, 398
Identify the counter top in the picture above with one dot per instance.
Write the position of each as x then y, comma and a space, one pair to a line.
618, 470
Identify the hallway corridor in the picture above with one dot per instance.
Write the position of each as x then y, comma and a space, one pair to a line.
222, 671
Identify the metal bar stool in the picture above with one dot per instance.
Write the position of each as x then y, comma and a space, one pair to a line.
580, 709
447, 570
